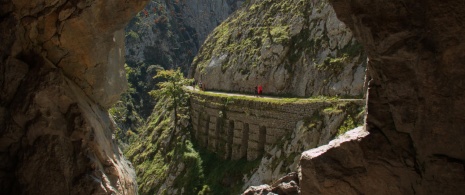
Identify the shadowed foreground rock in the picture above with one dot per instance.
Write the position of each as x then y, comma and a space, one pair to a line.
61, 65
415, 104
287, 185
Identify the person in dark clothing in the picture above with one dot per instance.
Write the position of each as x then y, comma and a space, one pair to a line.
256, 90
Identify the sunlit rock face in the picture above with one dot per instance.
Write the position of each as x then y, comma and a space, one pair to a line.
167, 34
292, 48
61, 65
170, 33
415, 104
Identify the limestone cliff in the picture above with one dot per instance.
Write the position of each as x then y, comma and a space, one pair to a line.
294, 47
415, 104
167, 34
62, 66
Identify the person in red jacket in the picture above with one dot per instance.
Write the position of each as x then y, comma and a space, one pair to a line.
259, 89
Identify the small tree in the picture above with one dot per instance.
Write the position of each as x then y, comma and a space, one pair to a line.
172, 88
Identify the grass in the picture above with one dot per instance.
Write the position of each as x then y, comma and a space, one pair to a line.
195, 169
269, 99
224, 176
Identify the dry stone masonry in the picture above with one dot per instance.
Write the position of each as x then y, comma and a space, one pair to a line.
240, 128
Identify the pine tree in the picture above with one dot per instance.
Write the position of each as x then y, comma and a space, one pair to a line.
172, 87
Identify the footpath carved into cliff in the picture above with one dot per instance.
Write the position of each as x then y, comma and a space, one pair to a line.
239, 126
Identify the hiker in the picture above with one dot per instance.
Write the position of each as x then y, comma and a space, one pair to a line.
259, 89
193, 84
201, 85
256, 90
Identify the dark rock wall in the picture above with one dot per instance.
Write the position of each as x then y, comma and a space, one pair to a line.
415, 105
61, 67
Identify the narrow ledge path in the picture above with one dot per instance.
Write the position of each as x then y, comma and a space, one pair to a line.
197, 90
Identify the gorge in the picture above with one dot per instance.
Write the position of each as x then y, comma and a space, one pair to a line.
62, 68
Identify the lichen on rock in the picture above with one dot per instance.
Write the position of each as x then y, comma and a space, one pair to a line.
293, 47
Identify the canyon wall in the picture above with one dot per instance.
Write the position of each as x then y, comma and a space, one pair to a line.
415, 104
296, 48
169, 33
62, 66
165, 34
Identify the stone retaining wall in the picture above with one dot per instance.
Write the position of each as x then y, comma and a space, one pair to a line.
236, 128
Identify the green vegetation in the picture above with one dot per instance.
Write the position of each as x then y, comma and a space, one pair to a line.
239, 36
159, 23
133, 34
196, 171
171, 87
336, 65
156, 159
135, 105
164, 148
347, 125
224, 176
352, 50
280, 34
353, 118
271, 100
332, 110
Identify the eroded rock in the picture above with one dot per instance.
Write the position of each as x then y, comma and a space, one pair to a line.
296, 48
415, 104
62, 66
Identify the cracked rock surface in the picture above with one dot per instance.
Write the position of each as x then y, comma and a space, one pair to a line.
291, 48
415, 104
61, 67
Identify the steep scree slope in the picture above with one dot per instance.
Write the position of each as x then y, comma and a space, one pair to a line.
61, 65
290, 47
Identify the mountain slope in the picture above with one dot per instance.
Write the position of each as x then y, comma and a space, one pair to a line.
295, 47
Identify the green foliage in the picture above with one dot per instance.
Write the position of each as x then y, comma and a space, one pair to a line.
352, 50
239, 36
133, 35
203, 172
336, 65
280, 34
224, 176
155, 159
268, 99
332, 110
353, 118
171, 86
205, 190
347, 125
